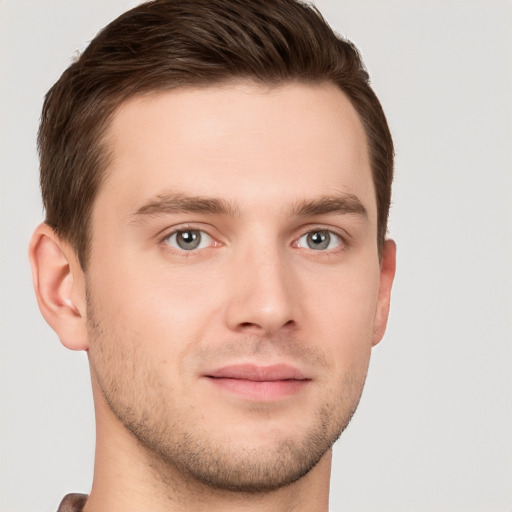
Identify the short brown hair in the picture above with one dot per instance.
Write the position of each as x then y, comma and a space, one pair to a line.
165, 44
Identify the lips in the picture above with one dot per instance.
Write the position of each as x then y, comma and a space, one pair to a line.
261, 383
259, 373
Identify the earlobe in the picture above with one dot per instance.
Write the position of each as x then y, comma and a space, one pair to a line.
387, 275
60, 287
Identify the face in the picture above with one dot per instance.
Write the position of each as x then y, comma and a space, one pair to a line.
234, 285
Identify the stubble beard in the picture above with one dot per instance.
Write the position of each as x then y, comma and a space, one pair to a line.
174, 447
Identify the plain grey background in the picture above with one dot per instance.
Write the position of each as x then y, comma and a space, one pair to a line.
434, 428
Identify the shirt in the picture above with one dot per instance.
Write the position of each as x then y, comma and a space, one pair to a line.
73, 503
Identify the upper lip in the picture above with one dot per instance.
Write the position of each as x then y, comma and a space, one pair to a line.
258, 373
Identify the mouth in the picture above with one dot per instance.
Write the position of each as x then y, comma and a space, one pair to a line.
259, 383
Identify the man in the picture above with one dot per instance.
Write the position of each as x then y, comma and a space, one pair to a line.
217, 178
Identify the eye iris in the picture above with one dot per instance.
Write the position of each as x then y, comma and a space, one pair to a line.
318, 240
189, 239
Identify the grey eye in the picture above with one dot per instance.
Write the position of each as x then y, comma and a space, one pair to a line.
319, 240
189, 240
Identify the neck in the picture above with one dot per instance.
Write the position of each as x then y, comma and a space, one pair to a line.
128, 478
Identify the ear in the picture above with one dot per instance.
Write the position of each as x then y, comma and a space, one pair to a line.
59, 283
387, 274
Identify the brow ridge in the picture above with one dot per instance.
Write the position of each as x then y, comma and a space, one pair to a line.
175, 202
336, 204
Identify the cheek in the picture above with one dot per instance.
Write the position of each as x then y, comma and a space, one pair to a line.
165, 311
135, 344
345, 309
347, 302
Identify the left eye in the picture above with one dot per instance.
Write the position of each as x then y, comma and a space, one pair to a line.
189, 240
320, 240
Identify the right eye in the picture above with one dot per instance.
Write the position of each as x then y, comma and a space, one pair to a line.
189, 240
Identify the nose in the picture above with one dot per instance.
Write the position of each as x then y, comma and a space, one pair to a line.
263, 294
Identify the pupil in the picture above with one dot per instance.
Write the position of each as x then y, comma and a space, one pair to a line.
319, 240
188, 239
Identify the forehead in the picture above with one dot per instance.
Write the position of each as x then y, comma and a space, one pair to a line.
248, 143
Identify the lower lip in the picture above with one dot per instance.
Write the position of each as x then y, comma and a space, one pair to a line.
265, 391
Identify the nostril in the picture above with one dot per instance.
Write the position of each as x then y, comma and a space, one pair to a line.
245, 325
253, 325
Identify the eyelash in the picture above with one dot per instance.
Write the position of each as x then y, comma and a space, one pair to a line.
183, 252
341, 241
342, 245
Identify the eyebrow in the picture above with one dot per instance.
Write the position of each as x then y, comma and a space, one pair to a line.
347, 204
172, 202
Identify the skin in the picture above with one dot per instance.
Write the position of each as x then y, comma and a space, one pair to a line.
257, 172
